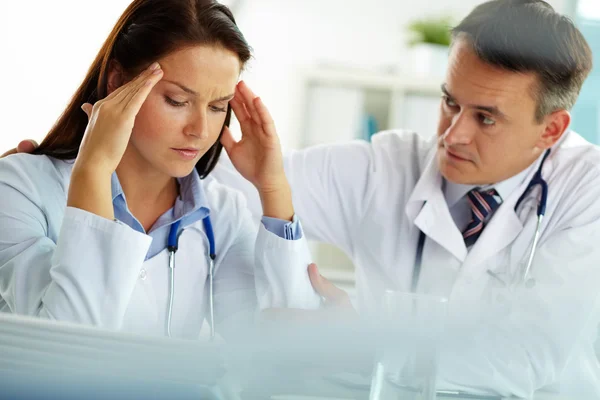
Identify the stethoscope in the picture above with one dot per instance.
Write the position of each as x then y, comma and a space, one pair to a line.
172, 246
541, 211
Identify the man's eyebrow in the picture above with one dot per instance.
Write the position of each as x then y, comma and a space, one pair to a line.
493, 110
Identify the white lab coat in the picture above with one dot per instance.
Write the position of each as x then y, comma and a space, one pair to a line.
67, 264
371, 200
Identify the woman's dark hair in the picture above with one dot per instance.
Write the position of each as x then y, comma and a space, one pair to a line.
147, 31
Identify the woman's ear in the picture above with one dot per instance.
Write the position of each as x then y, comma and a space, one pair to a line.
115, 77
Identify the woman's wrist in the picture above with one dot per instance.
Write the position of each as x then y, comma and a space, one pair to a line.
90, 190
277, 202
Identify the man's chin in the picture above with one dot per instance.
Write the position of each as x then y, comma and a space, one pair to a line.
455, 172
452, 174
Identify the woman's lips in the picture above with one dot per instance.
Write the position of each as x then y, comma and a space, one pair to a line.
187, 154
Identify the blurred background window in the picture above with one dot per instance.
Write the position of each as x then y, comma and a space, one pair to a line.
586, 114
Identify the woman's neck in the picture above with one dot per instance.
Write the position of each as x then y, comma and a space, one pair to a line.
149, 193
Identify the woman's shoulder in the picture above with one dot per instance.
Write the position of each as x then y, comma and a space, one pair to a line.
38, 173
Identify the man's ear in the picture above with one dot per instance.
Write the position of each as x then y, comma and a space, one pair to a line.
115, 76
555, 125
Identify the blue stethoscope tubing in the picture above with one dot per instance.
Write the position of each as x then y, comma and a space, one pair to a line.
172, 246
541, 212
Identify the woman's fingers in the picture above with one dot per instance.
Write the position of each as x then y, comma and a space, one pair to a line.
87, 108
142, 87
227, 140
124, 93
248, 99
256, 108
120, 93
239, 110
266, 119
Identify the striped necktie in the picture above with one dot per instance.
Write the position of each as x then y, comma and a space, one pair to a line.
483, 203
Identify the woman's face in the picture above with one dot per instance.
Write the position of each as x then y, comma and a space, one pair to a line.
185, 112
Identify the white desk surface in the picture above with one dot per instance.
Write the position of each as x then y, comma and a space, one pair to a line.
60, 352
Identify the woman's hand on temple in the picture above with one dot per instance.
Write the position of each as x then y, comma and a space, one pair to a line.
257, 156
104, 142
111, 121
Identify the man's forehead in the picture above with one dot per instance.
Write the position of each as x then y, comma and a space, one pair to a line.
470, 76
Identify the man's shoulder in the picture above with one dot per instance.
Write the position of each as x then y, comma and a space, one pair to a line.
575, 155
573, 175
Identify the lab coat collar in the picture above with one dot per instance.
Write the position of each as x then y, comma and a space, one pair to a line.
505, 225
453, 192
427, 209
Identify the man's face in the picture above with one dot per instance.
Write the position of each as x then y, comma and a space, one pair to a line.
487, 130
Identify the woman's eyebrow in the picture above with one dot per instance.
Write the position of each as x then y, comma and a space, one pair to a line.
182, 87
225, 98
194, 93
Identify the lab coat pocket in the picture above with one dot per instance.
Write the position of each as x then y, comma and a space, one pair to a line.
499, 276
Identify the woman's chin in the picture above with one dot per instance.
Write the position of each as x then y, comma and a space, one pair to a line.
176, 170
182, 172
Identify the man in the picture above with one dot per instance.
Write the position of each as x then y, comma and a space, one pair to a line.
451, 207
515, 70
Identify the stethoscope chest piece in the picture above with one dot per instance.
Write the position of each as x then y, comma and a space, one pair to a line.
530, 283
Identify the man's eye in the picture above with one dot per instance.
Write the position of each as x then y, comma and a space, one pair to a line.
487, 121
449, 102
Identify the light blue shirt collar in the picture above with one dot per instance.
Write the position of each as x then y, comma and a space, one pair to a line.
190, 206
453, 192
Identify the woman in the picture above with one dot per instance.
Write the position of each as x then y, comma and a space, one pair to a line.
88, 224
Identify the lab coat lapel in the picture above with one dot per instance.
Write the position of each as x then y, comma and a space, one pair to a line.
428, 210
507, 224
500, 232
504, 227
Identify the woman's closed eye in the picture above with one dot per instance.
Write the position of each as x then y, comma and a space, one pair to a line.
218, 109
175, 103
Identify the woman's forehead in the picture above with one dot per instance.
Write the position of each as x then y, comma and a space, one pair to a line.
203, 69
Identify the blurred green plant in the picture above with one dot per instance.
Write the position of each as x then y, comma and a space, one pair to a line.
433, 30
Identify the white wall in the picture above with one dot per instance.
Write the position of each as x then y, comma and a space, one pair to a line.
589, 8
47, 46
290, 34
